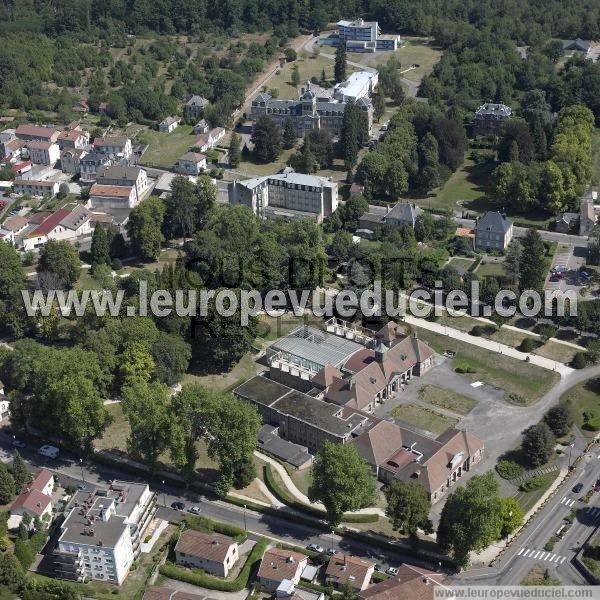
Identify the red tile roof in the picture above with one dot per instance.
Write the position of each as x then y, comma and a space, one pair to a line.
411, 583
50, 223
39, 145
35, 131
41, 480
120, 191
33, 501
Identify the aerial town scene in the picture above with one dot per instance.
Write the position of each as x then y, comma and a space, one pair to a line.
299, 300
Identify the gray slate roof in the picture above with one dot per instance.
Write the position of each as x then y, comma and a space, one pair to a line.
494, 221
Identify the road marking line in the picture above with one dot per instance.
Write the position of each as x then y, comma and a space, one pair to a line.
545, 555
563, 560
558, 558
520, 551
536, 554
552, 557
526, 552
563, 500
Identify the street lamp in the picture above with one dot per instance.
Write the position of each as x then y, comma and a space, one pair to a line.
245, 524
82, 472
164, 493
570, 452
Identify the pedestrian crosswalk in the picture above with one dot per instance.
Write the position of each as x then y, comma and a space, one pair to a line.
541, 555
568, 501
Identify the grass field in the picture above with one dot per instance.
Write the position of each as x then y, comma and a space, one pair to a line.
166, 148
490, 269
423, 418
258, 168
584, 397
460, 263
537, 576
412, 51
558, 352
447, 399
243, 370
528, 499
510, 337
500, 371
468, 184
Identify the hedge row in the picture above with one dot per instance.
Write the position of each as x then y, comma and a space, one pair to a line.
282, 494
213, 583
206, 525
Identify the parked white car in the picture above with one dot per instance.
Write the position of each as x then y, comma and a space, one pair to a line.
49, 451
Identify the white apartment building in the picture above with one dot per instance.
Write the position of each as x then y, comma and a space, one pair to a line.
101, 536
360, 84
191, 163
365, 36
117, 145
43, 153
125, 177
287, 195
35, 187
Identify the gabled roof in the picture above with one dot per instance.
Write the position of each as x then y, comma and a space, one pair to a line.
35, 131
278, 564
50, 223
41, 480
379, 443
345, 568
491, 109
15, 223
324, 378
33, 500
117, 141
40, 145
404, 211
193, 157
197, 101
118, 172
209, 546
111, 191
411, 583
494, 221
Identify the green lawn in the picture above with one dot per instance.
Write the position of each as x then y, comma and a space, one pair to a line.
253, 167
528, 499
468, 184
510, 337
166, 148
243, 370
458, 262
423, 418
558, 352
584, 397
490, 269
500, 371
439, 396
537, 576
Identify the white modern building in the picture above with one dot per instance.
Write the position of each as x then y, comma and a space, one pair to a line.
290, 196
101, 536
125, 177
169, 124
360, 84
35, 187
365, 36
117, 145
43, 153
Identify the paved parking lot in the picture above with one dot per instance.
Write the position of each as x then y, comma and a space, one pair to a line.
570, 260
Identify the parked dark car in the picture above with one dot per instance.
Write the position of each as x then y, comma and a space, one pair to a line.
178, 505
577, 488
597, 485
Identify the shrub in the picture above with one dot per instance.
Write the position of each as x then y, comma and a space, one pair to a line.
549, 546
526, 345
509, 469
478, 330
517, 399
546, 330
117, 265
23, 553
462, 366
592, 424
579, 360
206, 525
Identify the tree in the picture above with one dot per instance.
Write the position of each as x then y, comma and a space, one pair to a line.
12, 280
11, 571
559, 419
171, 356
513, 259
295, 76
516, 134
144, 228
266, 138
452, 142
347, 592
512, 515
63, 190
339, 68
7, 485
341, 480
429, 163
471, 519
20, 472
378, 103
147, 408
538, 444
353, 134
306, 161
235, 152
60, 260
532, 264
289, 134
100, 249
23, 531
408, 507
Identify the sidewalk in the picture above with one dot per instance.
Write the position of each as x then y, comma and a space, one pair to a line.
534, 359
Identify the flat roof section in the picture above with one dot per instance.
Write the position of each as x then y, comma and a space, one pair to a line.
261, 390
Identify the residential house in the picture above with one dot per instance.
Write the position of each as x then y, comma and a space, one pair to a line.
6, 135
125, 177
32, 502
567, 222
490, 117
70, 160
207, 141
7, 236
278, 565
401, 214
411, 583
4, 403
101, 536
288, 195
113, 196
169, 124
43, 482
578, 45
43, 153
15, 224
64, 224
29, 133
117, 145
308, 112
91, 164
213, 553
201, 127
195, 106
493, 231
191, 163
365, 36
13, 148
75, 138
35, 187
345, 569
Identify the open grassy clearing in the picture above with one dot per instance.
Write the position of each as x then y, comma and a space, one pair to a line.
510, 337
249, 165
459, 263
556, 351
537, 576
469, 183
584, 397
439, 396
423, 418
500, 371
243, 370
412, 51
166, 148
491, 269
